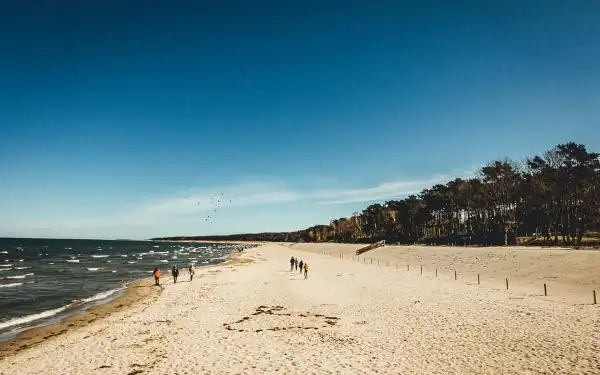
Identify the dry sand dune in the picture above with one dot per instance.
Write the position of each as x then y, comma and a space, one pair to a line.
571, 274
347, 318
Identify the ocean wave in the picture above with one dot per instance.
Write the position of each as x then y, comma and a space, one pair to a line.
3, 252
31, 318
5, 265
132, 262
100, 256
94, 268
49, 313
11, 285
21, 268
72, 260
19, 276
164, 261
124, 255
99, 296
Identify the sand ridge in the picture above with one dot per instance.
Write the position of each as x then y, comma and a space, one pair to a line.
347, 317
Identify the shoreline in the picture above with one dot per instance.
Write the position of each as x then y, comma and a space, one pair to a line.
136, 292
141, 291
214, 241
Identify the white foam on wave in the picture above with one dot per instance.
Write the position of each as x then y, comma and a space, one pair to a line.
114, 271
19, 276
94, 268
101, 295
5, 265
100, 256
3, 252
21, 321
11, 285
132, 262
51, 263
124, 255
164, 261
72, 260
21, 268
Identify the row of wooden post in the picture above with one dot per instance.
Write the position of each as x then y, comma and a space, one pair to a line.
455, 274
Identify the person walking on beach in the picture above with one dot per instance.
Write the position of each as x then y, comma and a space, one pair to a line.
292, 261
191, 269
306, 271
296, 263
175, 273
156, 274
300, 265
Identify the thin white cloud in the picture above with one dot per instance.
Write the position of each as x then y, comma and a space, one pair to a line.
389, 190
196, 205
205, 202
383, 191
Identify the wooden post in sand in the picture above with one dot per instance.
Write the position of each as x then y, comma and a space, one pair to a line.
477, 279
371, 260
507, 284
454, 274
436, 272
594, 296
408, 267
387, 264
421, 269
545, 290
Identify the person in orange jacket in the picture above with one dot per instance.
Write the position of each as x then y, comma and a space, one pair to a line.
306, 270
156, 274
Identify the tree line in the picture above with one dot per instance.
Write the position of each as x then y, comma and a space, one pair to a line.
552, 198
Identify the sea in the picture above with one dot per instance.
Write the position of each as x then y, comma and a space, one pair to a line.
45, 280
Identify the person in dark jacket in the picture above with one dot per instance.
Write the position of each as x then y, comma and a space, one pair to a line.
301, 265
175, 273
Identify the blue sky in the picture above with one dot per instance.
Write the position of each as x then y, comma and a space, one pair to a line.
121, 119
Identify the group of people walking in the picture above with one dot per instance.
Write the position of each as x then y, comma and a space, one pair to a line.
174, 273
302, 265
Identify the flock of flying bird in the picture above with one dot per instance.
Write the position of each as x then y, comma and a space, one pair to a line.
215, 203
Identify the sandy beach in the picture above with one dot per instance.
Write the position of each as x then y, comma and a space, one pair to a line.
351, 316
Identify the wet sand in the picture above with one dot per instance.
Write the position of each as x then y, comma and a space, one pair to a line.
138, 292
